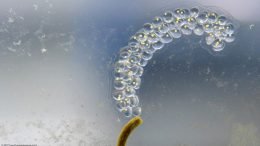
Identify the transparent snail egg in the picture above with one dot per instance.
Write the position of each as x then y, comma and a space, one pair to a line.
138, 52
133, 59
218, 30
140, 71
119, 75
141, 37
144, 45
136, 111
119, 84
186, 30
158, 45
133, 70
167, 16
133, 100
147, 56
208, 27
136, 82
217, 27
121, 104
229, 28
171, 25
175, 33
177, 13
191, 22
179, 22
148, 27
127, 77
229, 38
157, 21
212, 17
129, 91
124, 55
143, 62
158, 31
150, 50
185, 13
130, 63
120, 66
202, 18
127, 112
166, 38
152, 37
219, 34
118, 95
218, 45
198, 30
222, 20
163, 28
210, 38
194, 12
134, 48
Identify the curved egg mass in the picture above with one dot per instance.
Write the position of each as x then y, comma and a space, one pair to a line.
216, 30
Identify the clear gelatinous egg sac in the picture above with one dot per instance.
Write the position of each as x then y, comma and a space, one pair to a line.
215, 28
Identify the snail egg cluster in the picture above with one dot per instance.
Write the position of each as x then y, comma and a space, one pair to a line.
216, 29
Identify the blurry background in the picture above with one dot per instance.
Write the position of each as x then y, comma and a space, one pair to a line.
55, 70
